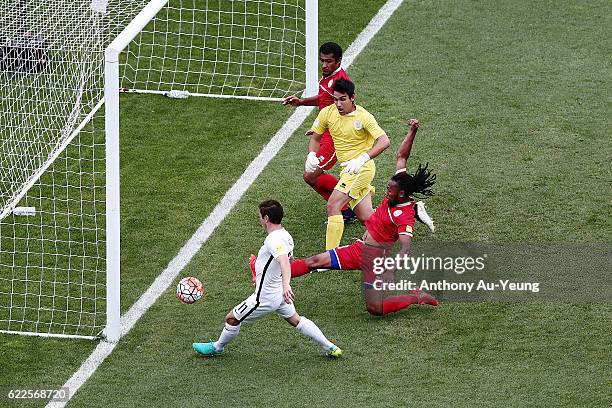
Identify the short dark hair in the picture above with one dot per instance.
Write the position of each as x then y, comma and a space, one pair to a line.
344, 86
273, 209
420, 183
331, 48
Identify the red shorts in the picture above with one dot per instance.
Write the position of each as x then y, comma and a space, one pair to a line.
326, 152
357, 256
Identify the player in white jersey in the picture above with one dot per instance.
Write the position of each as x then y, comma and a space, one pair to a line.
272, 289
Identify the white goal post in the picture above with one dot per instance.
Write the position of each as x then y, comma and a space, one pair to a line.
61, 62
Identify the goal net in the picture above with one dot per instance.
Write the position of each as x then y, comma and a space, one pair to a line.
221, 48
54, 208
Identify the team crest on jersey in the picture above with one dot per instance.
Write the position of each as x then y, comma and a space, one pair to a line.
329, 84
358, 125
397, 213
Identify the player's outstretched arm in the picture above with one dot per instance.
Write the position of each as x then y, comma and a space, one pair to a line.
404, 151
296, 101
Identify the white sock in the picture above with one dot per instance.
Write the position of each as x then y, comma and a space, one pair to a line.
308, 328
228, 334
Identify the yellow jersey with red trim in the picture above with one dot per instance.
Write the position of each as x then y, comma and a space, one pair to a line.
353, 133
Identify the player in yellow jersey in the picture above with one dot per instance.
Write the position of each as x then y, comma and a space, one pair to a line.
358, 139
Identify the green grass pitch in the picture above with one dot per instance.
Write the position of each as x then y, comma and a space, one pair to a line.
514, 100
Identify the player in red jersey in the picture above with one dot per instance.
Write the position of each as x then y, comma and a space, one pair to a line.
330, 57
393, 220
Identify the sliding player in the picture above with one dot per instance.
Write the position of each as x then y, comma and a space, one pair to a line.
272, 290
393, 220
317, 163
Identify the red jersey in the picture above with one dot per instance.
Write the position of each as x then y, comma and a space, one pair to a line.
388, 223
326, 94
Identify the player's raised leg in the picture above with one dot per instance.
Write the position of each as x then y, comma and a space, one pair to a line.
321, 182
363, 209
301, 267
347, 257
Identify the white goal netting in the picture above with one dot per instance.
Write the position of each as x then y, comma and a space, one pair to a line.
52, 139
221, 48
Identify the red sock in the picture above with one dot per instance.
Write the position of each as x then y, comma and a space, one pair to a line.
395, 303
299, 268
325, 186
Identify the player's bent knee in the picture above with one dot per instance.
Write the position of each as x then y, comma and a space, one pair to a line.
375, 308
311, 262
362, 220
317, 261
363, 216
363, 211
231, 319
310, 178
293, 320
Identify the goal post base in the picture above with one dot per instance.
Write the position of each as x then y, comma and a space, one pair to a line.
50, 335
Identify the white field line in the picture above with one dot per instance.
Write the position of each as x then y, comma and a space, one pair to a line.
231, 198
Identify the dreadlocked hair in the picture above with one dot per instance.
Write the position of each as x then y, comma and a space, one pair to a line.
418, 184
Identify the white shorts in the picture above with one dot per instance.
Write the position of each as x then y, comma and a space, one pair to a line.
251, 310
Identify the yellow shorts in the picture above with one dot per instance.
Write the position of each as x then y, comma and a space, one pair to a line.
357, 186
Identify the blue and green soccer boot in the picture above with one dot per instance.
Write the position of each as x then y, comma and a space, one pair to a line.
206, 349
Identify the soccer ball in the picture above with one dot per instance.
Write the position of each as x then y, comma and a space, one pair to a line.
189, 290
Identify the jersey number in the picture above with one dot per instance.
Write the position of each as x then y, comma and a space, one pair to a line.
242, 307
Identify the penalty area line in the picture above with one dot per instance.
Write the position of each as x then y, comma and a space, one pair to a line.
216, 217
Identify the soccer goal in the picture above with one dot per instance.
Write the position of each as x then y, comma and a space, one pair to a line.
63, 65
